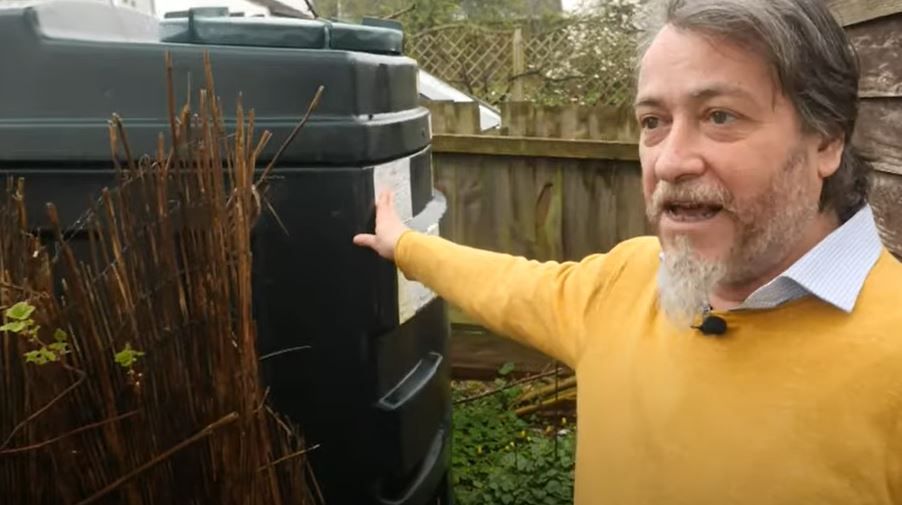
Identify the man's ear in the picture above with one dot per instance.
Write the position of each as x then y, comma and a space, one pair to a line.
829, 155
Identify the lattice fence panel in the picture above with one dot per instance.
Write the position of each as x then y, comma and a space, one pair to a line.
464, 54
583, 60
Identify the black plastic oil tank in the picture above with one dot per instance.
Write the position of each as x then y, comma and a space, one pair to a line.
357, 353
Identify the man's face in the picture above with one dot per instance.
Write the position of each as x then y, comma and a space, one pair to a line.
727, 171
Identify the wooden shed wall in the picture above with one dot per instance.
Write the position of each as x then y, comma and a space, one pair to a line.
875, 29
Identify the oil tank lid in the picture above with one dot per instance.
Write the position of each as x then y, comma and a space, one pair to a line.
217, 26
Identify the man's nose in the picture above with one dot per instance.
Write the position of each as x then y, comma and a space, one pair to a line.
680, 155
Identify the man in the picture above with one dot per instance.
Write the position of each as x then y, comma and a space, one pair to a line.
791, 390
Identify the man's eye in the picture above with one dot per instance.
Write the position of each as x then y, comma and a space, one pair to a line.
650, 123
721, 117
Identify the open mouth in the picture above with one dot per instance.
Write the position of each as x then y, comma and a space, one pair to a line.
688, 212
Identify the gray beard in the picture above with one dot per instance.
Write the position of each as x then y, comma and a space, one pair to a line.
685, 282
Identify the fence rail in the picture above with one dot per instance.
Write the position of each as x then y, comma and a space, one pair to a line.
492, 145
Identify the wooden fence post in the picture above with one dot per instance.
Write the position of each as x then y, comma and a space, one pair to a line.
519, 65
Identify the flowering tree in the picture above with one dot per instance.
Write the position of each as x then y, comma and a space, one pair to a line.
595, 64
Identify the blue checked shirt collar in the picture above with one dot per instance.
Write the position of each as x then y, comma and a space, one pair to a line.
834, 270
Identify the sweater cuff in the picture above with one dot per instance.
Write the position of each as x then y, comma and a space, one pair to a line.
403, 256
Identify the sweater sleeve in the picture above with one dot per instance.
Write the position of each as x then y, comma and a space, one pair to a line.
542, 305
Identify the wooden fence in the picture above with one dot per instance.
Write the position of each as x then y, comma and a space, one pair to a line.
875, 28
547, 188
559, 196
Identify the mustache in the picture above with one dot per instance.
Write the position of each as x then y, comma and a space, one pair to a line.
693, 192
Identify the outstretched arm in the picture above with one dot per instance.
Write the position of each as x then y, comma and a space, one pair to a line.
540, 304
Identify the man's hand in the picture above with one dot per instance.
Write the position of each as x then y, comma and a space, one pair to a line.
389, 228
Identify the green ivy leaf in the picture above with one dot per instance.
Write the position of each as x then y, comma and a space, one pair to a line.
14, 326
127, 357
60, 335
48, 354
34, 357
20, 311
506, 369
60, 347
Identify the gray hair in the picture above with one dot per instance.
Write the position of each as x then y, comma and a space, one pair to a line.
813, 61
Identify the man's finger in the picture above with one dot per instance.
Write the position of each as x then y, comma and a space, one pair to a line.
365, 240
383, 202
385, 209
383, 199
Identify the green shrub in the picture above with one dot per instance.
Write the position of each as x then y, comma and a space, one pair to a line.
498, 458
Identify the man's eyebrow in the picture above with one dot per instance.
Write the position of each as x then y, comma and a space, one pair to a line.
701, 94
715, 90
647, 102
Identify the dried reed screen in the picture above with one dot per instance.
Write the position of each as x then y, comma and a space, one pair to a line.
128, 364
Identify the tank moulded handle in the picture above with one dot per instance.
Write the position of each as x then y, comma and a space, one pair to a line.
427, 480
412, 384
